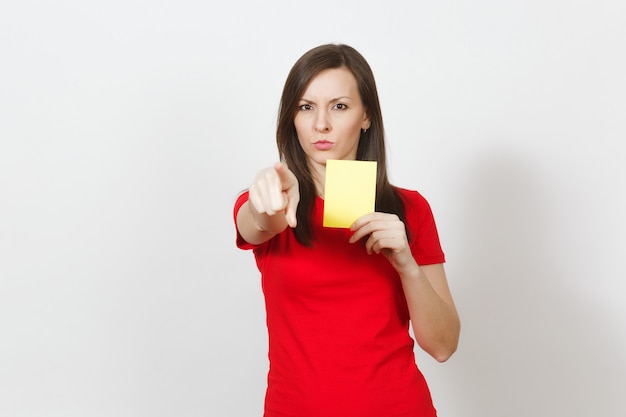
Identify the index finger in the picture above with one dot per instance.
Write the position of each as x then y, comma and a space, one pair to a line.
285, 176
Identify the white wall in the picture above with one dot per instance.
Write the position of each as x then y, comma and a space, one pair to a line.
128, 127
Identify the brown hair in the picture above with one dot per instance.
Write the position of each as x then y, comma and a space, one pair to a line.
371, 144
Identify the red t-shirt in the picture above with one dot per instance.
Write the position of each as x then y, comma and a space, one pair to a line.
338, 323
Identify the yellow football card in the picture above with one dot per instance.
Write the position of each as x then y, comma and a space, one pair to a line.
350, 191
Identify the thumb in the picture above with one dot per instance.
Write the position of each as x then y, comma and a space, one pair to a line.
289, 184
293, 198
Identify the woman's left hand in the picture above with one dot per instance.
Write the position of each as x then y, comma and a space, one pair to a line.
386, 234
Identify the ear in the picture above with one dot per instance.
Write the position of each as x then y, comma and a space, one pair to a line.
366, 122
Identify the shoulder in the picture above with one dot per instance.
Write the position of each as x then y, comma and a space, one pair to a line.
421, 228
417, 209
412, 199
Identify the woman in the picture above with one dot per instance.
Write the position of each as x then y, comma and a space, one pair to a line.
339, 301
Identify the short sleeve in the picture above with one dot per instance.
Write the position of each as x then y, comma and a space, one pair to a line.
424, 236
240, 241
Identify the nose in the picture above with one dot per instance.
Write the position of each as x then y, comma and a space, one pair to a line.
322, 124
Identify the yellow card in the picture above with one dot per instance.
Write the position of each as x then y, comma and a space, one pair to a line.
350, 191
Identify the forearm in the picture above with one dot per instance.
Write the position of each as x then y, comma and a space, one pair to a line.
257, 227
433, 315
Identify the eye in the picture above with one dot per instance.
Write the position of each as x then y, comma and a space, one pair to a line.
340, 106
305, 107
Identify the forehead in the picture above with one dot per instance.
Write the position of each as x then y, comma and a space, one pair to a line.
332, 81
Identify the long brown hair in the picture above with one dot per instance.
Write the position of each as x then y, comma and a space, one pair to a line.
371, 144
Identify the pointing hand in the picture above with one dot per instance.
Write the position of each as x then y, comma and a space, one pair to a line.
275, 190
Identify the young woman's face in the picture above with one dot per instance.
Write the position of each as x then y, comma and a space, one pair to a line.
330, 117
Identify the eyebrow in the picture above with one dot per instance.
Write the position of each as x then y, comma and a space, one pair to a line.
331, 101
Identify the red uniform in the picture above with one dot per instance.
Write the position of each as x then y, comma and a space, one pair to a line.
338, 323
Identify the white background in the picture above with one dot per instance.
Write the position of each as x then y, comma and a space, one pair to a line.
127, 128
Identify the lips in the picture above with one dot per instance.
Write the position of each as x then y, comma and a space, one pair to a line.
322, 145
